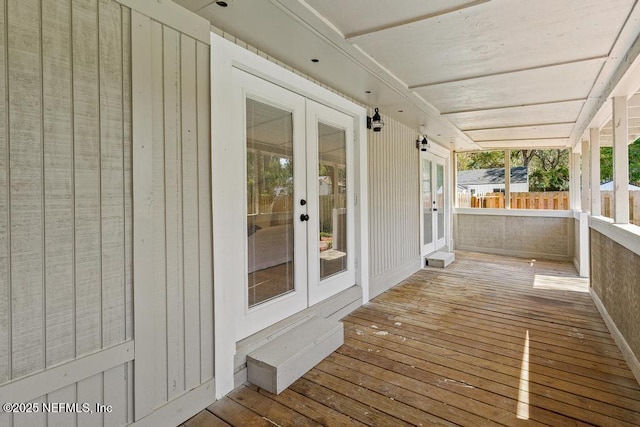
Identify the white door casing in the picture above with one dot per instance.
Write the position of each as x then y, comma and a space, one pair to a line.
229, 190
433, 203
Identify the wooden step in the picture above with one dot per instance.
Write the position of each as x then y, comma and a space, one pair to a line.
440, 259
280, 362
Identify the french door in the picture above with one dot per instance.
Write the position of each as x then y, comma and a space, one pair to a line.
299, 201
433, 191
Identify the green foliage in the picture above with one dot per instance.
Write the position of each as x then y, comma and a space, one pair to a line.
481, 160
548, 169
606, 163
549, 180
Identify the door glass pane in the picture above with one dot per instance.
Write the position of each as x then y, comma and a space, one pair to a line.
440, 199
269, 201
332, 193
427, 202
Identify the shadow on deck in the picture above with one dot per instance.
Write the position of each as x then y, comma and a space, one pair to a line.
488, 341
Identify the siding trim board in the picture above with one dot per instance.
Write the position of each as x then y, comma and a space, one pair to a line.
68, 373
174, 16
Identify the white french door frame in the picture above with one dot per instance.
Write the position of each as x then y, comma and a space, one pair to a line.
228, 189
436, 243
247, 86
321, 289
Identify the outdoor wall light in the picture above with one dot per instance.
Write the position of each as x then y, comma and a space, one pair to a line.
422, 143
375, 122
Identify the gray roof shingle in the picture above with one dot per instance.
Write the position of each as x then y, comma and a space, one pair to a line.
492, 176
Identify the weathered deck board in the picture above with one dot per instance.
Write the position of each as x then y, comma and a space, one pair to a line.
474, 344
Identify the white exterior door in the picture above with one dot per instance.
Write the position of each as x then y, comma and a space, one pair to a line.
298, 191
432, 194
330, 192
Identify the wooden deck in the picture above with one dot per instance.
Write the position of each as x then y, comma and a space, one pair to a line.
488, 341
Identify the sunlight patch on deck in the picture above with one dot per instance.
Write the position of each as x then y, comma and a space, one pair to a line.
561, 283
523, 389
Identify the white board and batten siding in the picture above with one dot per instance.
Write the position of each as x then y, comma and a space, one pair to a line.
172, 214
66, 313
394, 193
74, 76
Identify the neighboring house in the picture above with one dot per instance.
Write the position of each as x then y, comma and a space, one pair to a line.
325, 186
482, 181
608, 186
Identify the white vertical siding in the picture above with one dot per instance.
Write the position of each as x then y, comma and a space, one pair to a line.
182, 293
204, 214
5, 292
58, 180
394, 228
86, 137
111, 173
25, 187
65, 206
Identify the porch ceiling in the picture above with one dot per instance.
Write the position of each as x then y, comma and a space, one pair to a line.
477, 73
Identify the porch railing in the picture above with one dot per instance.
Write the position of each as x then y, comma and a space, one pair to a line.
549, 200
608, 206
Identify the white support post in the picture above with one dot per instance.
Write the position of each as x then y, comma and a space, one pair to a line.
577, 203
584, 157
584, 245
620, 160
594, 140
574, 180
507, 179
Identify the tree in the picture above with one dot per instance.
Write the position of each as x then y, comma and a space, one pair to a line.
606, 163
480, 160
548, 169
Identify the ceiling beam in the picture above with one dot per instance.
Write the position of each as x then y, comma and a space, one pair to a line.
614, 72
526, 143
514, 71
523, 127
505, 107
352, 36
557, 137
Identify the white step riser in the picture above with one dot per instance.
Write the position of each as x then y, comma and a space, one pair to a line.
277, 364
441, 259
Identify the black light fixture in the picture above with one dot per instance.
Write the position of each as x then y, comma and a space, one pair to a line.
375, 122
422, 143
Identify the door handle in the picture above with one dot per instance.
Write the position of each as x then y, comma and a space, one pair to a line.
434, 210
304, 217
